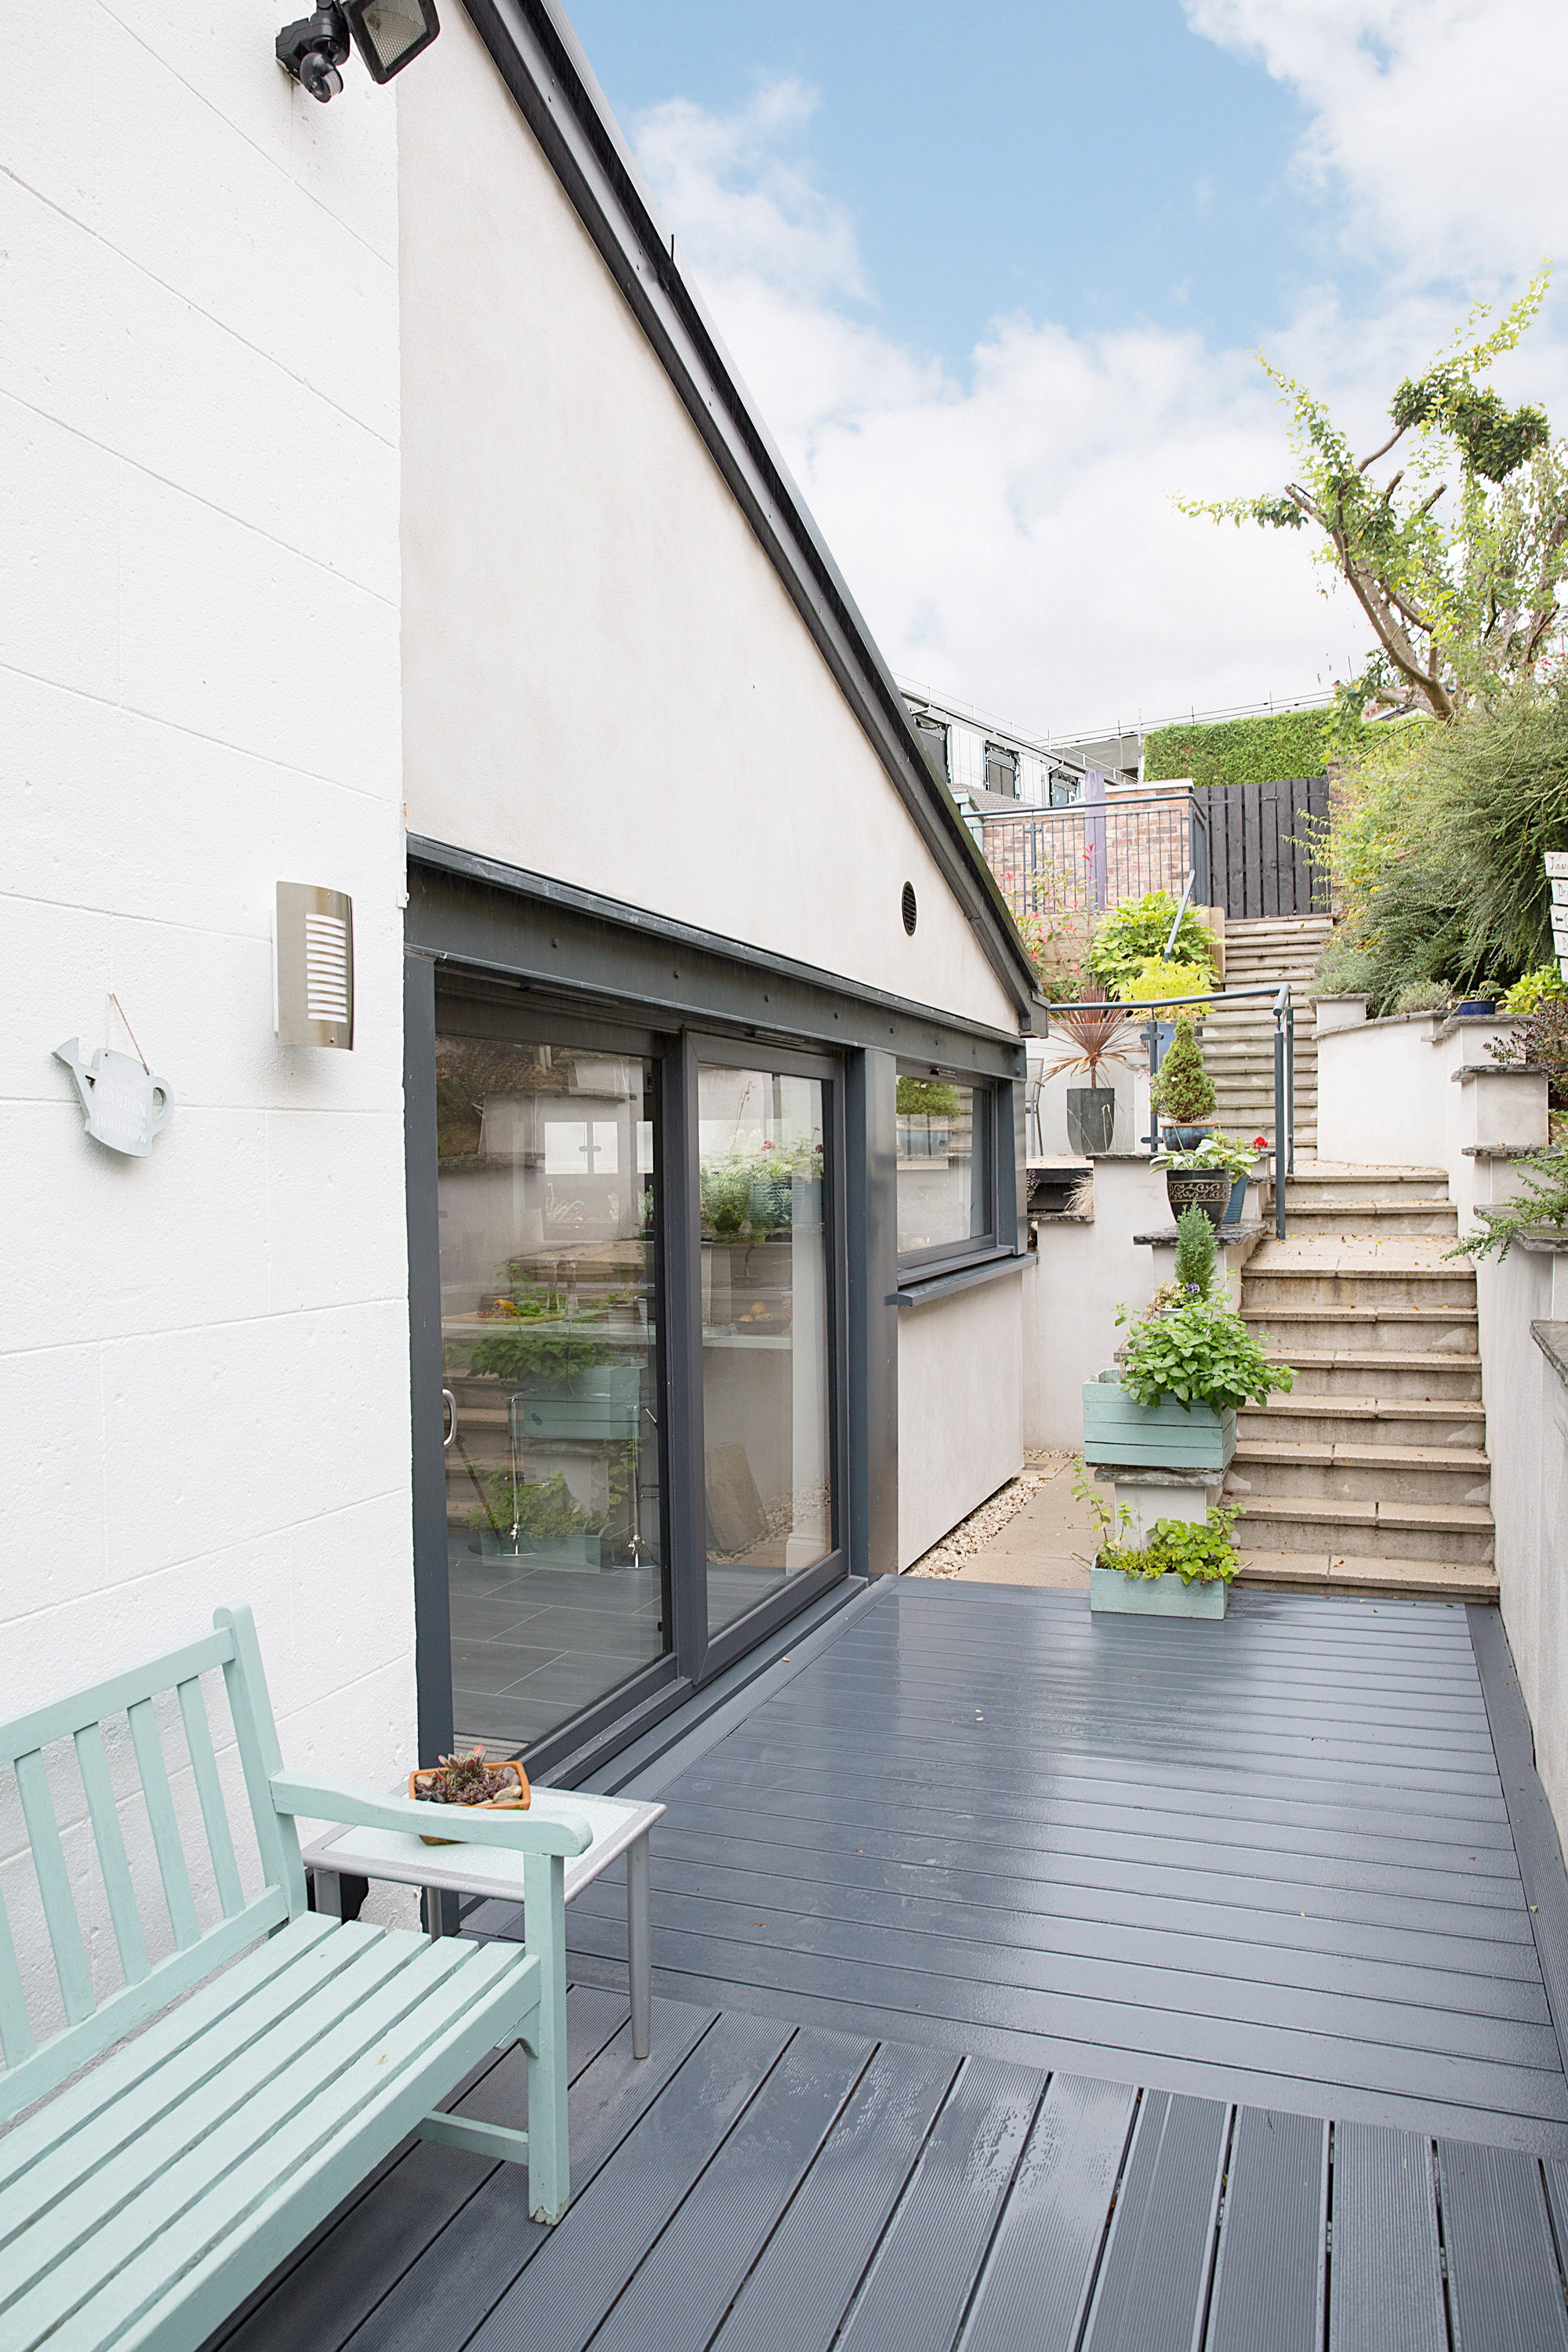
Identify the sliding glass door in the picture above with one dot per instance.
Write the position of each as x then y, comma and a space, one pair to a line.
641, 1305
548, 1156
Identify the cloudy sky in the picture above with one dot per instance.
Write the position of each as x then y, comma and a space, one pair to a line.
996, 277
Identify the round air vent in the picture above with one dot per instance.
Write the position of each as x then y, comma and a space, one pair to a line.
911, 912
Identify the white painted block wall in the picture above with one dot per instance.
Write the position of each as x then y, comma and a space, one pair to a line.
204, 1379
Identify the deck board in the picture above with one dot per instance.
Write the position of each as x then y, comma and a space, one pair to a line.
992, 2009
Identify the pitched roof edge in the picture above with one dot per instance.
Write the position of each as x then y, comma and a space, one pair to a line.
542, 62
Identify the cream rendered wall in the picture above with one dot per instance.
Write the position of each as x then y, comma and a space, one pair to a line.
960, 1406
204, 1384
604, 678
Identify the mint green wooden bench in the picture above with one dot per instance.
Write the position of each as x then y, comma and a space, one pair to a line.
140, 2202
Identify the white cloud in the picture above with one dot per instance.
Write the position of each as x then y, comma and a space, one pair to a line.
1440, 121
1008, 532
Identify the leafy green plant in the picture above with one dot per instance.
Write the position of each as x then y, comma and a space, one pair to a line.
1184, 1090
1155, 981
1544, 985
1215, 1151
1197, 1252
1198, 1550
1139, 928
753, 1192
1345, 968
1199, 1351
1542, 1199
1274, 749
546, 1509
927, 1099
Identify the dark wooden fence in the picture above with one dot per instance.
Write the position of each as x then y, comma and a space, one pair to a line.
1267, 847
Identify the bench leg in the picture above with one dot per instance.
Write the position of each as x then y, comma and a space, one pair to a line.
639, 1950
544, 1926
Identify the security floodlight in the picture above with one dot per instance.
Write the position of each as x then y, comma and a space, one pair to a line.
386, 33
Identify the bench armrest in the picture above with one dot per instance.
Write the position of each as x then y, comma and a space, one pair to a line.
335, 1801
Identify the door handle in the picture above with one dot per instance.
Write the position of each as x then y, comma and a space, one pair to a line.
450, 1402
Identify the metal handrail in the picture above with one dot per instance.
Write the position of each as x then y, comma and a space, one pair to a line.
1284, 1065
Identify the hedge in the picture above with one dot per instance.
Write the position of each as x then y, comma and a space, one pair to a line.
1266, 750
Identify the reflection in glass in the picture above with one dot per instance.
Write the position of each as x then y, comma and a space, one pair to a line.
942, 1197
554, 1524
765, 1334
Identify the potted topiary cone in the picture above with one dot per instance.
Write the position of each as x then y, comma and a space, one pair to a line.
1183, 1091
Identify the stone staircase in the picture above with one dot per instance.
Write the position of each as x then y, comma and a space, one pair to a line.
1371, 1476
1238, 1043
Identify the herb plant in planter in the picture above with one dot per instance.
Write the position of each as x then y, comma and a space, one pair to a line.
539, 1524
1183, 1092
1184, 1571
1188, 1363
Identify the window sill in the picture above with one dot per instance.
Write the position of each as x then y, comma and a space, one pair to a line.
919, 1290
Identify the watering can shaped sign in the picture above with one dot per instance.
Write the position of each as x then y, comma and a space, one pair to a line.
125, 1106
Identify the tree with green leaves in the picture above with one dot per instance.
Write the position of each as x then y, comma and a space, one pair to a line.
1457, 556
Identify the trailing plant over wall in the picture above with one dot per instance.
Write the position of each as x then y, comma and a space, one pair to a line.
1542, 1199
1276, 747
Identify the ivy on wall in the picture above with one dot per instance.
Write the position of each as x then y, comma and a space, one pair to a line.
1265, 751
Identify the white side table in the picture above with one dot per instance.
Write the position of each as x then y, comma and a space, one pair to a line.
619, 1826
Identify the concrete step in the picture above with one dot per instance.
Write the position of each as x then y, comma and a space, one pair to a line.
1405, 1375
1287, 1289
1375, 1578
1351, 1471
1360, 1220
1370, 1529
1322, 1188
1400, 1330
1314, 1419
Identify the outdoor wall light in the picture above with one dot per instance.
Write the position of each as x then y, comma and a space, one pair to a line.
386, 33
312, 966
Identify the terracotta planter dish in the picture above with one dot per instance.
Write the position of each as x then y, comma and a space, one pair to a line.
518, 1804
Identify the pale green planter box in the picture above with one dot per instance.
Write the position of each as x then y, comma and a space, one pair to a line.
1155, 1596
1163, 1436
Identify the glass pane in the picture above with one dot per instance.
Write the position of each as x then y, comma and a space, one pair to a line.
554, 1523
765, 1334
941, 1194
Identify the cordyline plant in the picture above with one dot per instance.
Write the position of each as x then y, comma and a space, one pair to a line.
1102, 1032
1462, 596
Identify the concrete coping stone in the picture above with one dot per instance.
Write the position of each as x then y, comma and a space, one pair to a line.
1469, 1070
1552, 1339
1115, 1474
1501, 1150
1458, 1021
1226, 1236
1541, 1241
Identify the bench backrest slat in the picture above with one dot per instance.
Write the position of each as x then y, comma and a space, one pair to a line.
126, 1920
164, 1823
33, 2066
54, 1887
209, 1789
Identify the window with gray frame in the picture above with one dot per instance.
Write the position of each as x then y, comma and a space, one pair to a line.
1001, 770
945, 1164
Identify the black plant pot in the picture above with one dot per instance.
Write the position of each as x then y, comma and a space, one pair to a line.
1092, 1119
1207, 1189
1181, 1134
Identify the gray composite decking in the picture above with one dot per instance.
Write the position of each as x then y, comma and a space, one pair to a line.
1032, 1981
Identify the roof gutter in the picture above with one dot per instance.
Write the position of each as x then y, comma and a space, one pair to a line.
541, 61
